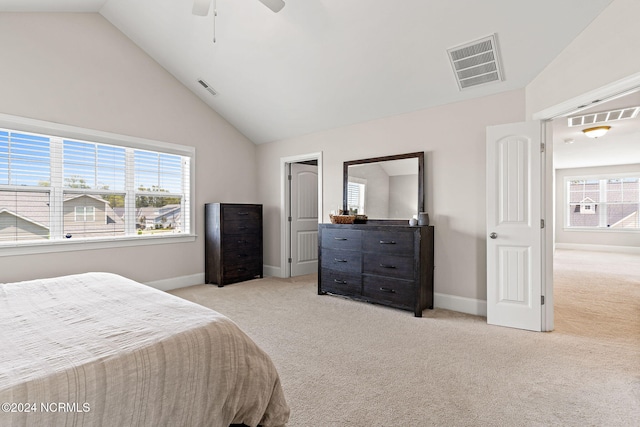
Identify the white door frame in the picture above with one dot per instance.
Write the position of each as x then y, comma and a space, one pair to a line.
285, 237
608, 92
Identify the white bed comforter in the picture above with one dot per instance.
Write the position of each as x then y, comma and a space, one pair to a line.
98, 349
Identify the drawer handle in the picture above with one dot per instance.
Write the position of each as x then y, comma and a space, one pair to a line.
387, 242
242, 241
389, 290
242, 227
342, 282
339, 260
242, 269
243, 213
339, 238
387, 266
242, 255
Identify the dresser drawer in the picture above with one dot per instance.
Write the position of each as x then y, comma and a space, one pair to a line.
398, 293
389, 265
389, 242
337, 238
344, 261
248, 213
241, 227
240, 256
341, 283
243, 242
242, 271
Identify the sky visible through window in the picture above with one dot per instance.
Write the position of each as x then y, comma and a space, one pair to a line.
96, 166
25, 161
158, 171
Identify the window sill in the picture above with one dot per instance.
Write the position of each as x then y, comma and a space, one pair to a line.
600, 230
49, 246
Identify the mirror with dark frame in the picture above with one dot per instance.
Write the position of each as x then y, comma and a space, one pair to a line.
389, 187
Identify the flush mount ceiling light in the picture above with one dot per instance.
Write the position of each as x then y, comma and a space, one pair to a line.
596, 132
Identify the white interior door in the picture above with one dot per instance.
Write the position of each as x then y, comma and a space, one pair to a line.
514, 225
304, 219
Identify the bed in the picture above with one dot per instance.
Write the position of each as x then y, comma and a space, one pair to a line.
98, 349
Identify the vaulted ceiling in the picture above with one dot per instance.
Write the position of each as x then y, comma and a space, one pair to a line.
321, 64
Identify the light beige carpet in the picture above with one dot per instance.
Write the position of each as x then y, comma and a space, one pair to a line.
345, 363
597, 295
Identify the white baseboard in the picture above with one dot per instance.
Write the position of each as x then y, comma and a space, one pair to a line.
599, 248
270, 270
177, 282
464, 305
198, 279
448, 302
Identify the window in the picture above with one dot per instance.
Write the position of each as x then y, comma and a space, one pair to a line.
99, 187
587, 208
85, 213
605, 202
355, 195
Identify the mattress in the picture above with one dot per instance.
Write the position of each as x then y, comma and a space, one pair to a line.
98, 349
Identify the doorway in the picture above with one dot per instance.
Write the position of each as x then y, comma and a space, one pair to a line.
301, 212
543, 207
302, 217
592, 235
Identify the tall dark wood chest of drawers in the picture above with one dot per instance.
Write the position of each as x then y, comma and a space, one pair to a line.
384, 264
233, 242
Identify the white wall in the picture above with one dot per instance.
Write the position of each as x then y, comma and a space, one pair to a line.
79, 70
607, 51
599, 237
402, 196
453, 139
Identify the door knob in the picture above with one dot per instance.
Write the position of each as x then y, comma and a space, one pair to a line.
493, 235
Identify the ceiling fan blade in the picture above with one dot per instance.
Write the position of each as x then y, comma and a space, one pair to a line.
201, 7
275, 5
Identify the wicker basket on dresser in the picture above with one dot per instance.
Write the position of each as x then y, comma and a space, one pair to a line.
233, 242
384, 264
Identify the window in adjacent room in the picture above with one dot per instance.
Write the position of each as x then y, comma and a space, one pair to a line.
604, 202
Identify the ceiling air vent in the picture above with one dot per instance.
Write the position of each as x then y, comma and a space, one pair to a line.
604, 116
476, 63
207, 87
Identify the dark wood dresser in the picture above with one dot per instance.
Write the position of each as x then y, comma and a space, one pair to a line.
233, 242
384, 264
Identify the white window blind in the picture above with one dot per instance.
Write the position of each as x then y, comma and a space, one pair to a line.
62, 189
94, 166
25, 175
355, 196
24, 159
159, 178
